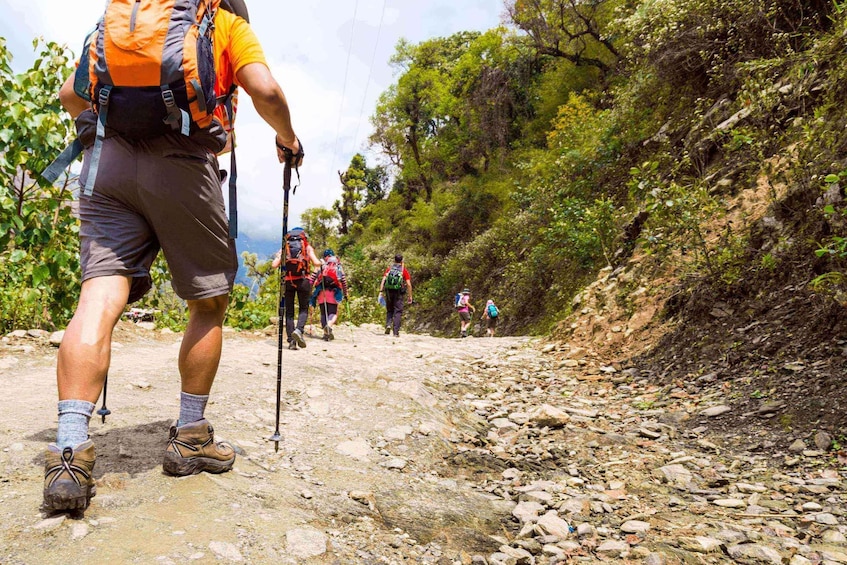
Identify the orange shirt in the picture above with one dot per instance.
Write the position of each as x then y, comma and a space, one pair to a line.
235, 46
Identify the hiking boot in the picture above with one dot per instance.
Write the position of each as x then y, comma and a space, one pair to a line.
292, 346
330, 335
297, 336
387, 330
192, 449
68, 483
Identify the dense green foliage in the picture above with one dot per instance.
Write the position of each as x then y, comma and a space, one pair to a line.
39, 261
521, 164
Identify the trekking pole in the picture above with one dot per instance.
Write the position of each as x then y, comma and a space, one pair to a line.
326, 329
286, 188
103, 412
349, 319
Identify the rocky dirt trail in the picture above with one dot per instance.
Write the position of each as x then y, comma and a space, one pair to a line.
412, 450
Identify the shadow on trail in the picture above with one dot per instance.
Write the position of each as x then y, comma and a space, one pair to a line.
132, 450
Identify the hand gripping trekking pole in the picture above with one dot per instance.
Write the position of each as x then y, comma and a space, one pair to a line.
290, 159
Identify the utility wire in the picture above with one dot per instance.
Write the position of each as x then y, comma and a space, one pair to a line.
370, 72
344, 88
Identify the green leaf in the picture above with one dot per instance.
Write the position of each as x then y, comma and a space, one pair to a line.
40, 273
17, 255
831, 178
829, 209
31, 295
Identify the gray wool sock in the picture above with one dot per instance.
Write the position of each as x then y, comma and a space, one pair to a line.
191, 407
73, 422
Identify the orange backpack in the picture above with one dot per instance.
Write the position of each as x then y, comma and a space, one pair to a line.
149, 69
152, 66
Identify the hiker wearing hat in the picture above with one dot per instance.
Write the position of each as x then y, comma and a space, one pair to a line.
395, 285
330, 284
464, 308
150, 182
490, 315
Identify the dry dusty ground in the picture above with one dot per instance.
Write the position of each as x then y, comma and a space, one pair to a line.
348, 407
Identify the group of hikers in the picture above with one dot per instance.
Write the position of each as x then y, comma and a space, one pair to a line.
490, 314
151, 122
324, 289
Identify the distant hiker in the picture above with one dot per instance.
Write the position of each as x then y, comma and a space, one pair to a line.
330, 285
299, 257
155, 185
396, 282
464, 308
490, 315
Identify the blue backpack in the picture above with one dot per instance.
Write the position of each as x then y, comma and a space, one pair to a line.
493, 312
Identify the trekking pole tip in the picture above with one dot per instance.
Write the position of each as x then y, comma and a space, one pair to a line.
276, 438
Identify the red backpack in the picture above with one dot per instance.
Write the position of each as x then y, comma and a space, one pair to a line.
329, 276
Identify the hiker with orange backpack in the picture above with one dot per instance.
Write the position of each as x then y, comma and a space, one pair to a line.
299, 258
152, 110
330, 284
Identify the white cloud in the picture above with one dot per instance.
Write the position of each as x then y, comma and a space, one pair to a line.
306, 45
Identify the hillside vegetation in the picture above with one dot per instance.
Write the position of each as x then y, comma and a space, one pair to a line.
526, 159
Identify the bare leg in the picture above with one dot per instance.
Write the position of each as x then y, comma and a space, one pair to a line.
86, 349
200, 352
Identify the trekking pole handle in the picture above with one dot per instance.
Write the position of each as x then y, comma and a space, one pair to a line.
290, 155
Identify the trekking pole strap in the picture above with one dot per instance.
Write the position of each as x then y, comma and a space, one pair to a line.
63, 161
233, 171
233, 193
291, 158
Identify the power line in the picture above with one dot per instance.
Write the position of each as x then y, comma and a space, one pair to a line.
370, 72
344, 88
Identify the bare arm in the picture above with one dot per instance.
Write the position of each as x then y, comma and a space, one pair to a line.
70, 99
270, 103
314, 258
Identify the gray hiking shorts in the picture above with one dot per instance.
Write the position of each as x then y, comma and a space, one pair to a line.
151, 194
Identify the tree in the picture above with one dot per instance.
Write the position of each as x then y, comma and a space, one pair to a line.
39, 263
571, 29
318, 223
353, 188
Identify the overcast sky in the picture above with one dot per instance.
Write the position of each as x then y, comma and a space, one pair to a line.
306, 45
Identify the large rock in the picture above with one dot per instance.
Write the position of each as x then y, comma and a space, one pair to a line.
754, 553
527, 511
700, 544
612, 548
676, 475
56, 338
715, 411
549, 416
553, 525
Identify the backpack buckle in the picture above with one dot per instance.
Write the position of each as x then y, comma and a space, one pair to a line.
168, 97
103, 96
